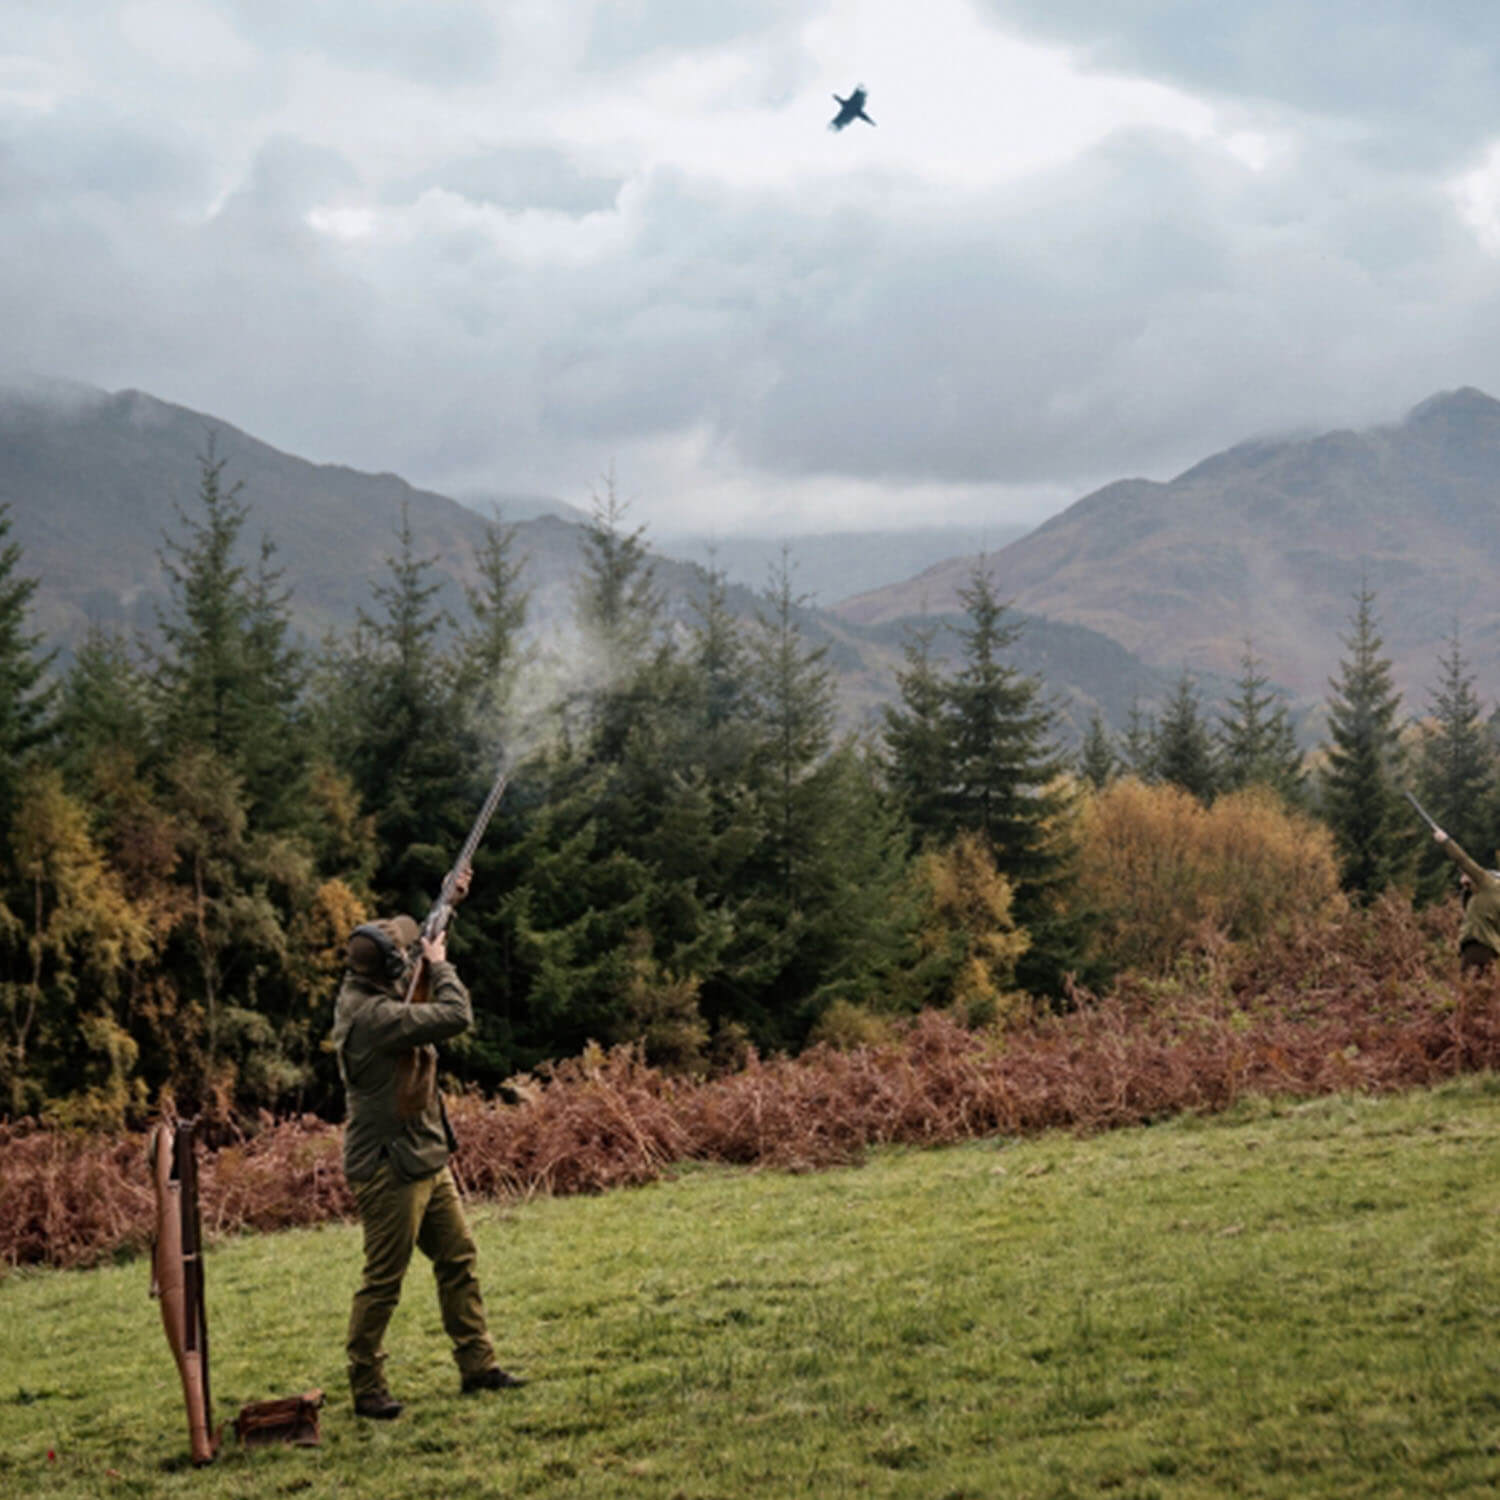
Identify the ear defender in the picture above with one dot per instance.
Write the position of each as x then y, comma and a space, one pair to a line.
390, 953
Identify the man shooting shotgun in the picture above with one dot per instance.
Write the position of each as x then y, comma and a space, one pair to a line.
401, 996
1479, 937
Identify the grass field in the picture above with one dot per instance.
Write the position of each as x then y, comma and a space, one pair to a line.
1291, 1300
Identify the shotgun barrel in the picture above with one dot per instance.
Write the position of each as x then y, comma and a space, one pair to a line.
1422, 812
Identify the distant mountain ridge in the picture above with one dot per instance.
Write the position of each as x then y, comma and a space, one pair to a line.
1115, 595
1271, 540
94, 479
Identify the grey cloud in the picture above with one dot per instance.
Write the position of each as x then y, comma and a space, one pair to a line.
1130, 313
624, 31
288, 178
88, 149
448, 43
1422, 76
519, 177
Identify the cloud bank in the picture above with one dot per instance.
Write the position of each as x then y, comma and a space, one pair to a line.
504, 246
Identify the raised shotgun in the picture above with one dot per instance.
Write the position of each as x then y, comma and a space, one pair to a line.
441, 912
416, 1071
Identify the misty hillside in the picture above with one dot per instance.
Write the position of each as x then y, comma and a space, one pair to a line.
1271, 540
94, 481
830, 566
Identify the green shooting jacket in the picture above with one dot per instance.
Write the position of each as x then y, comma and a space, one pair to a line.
1482, 914
373, 1027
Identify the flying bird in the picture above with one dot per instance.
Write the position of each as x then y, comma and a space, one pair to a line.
851, 109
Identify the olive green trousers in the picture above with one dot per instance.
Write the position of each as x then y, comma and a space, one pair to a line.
398, 1216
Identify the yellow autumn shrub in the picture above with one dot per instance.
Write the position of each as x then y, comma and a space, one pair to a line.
967, 939
1157, 869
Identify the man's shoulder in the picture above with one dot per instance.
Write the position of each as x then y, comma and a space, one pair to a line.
355, 998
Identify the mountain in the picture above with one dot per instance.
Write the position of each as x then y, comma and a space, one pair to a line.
1271, 540
828, 566
95, 480
508, 507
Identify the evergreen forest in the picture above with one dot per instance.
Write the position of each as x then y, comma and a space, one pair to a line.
689, 856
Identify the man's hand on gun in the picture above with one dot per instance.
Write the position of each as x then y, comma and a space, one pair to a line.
435, 949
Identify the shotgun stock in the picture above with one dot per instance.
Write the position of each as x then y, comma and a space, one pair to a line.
177, 1276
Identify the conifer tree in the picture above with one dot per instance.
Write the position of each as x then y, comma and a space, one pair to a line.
1005, 765
200, 673
104, 707
491, 650
1361, 800
411, 760
619, 611
1007, 785
817, 896
1097, 762
1257, 744
1456, 768
918, 739
227, 678
618, 602
25, 695
1183, 754
718, 655
273, 752
792, 688
1137, 749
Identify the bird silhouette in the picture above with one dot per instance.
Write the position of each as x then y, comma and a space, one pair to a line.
851, 109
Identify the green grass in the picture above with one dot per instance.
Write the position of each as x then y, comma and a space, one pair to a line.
1296, 1300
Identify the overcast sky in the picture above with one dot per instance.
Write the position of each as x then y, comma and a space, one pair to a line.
506, 245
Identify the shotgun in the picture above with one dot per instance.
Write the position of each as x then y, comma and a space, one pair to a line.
177, 1275
1422, 812
416, 1071
441, 912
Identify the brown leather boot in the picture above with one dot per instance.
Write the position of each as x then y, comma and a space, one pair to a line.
380, 1405
493, 1379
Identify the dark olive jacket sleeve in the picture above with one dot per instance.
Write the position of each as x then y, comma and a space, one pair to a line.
1481, 922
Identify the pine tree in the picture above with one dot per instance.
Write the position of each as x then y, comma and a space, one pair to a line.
200, 673
619, 612
25, 695
227, 678
1097, 762
273, 751
1360, 780
1005, 766
1007, 784
491, 651
1257, 744
618, 603
1137, 750
412, 762
1456, 767
792, 687
918, 740
104, 707
1183, 754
